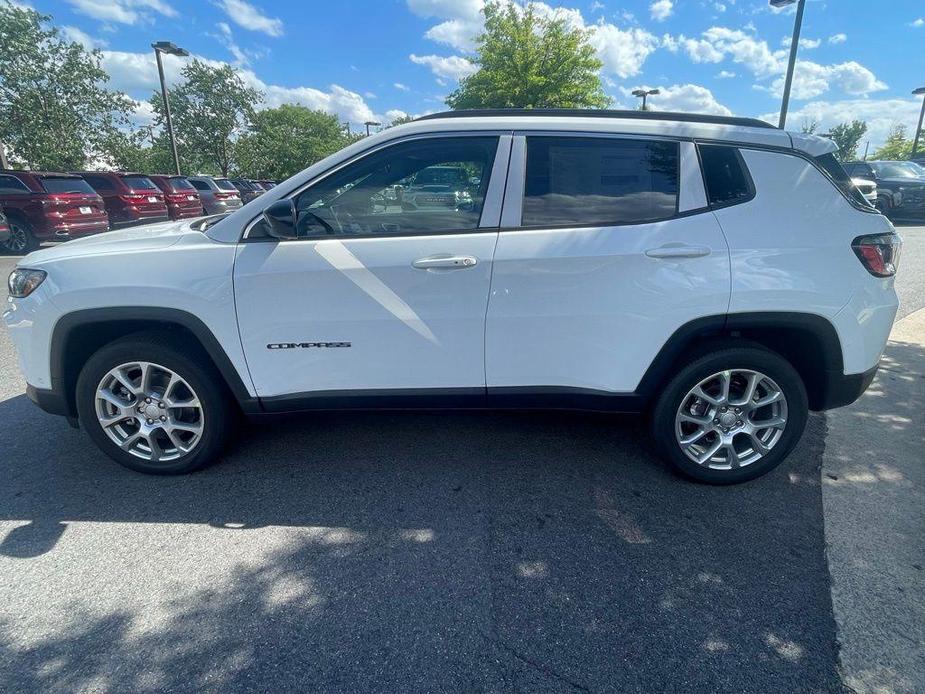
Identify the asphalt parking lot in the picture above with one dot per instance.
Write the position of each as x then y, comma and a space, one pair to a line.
474, 552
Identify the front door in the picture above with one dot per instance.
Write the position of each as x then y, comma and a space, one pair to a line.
385, 291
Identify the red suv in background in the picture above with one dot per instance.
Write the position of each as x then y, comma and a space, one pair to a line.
182, 198
130, 198
43, 206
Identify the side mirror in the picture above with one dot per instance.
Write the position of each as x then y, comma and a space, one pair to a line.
280, 218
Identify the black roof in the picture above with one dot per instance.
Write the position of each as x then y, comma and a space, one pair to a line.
602, 113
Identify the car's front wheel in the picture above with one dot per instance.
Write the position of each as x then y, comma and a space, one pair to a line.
21, 241
153, 406
731, 415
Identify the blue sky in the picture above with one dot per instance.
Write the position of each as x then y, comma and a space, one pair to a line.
371, 60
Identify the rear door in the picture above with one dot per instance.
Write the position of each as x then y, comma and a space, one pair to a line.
375, 299
607, 247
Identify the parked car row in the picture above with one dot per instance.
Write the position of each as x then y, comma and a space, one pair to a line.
900, 187
38, 206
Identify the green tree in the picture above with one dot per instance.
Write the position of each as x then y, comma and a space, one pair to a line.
285, 140
212, 109
847, 136
897, 145
529, 60
809, 127
55, 110
144, 149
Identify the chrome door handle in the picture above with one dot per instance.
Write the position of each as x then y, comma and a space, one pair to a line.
446, 262
678, 252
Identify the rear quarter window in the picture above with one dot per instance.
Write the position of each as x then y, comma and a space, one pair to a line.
725, 176
10, 185
139, 183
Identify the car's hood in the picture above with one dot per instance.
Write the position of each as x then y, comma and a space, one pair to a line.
904, 182
148, 236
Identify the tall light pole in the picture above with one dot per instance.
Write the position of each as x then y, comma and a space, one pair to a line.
794, 45
170, 49
918, 131
644, 93
369, 123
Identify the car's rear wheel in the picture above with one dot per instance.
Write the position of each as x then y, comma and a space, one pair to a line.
730, 416
22, 240
152, 406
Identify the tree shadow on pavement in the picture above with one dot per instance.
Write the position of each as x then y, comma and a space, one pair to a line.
411, 552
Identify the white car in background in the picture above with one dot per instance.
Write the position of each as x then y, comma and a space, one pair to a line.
719, 274
868, 189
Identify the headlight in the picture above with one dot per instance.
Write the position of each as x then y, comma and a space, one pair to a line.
23, 282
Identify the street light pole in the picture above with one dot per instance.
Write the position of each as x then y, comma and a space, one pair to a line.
794, 45
171, 49
918, 131
645, 93
369, 123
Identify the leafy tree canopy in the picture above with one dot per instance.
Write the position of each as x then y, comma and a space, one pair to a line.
55, 110
526, 59
847, 136
897, 145
285, 140
211, 109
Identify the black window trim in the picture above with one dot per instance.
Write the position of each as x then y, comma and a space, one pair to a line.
247, 238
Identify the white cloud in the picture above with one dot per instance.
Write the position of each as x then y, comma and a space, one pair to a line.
719, 7
805, 44
597, 6
838, 38
686, 98
401, 87
453, 67
660, 10
810, 79
393, 114
623, 52
369, 95
226, 38
76, 35
136, 74
920, 22
123, 11
725, 75
879, 114
251, 18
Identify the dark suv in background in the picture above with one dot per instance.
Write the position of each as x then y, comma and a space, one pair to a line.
130, 198
181, 197
249, 190
900, 186
45, 206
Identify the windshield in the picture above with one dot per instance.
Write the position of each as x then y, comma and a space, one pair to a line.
898, 169
139, 183
225, 184
67, 185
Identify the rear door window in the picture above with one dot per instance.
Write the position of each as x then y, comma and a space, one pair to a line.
99, 182
599, 181
67, 185
724, 174
181, 184
200, 185
225, 184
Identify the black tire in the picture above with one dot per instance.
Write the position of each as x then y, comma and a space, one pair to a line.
191, 365
22, 239
752, 358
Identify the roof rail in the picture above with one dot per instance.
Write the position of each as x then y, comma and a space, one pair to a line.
601, 113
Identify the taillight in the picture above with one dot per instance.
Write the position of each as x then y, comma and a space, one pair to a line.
225, 196
878, 253
133, 198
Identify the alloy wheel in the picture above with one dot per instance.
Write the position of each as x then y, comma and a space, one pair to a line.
731, 419
19, 239
149, 411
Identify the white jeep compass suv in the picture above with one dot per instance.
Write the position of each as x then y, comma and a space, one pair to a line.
719, 274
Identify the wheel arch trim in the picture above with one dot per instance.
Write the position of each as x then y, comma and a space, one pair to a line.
153, 316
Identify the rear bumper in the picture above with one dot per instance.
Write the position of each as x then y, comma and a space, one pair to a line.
842, 390
142, 219
176, 212
57, 229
